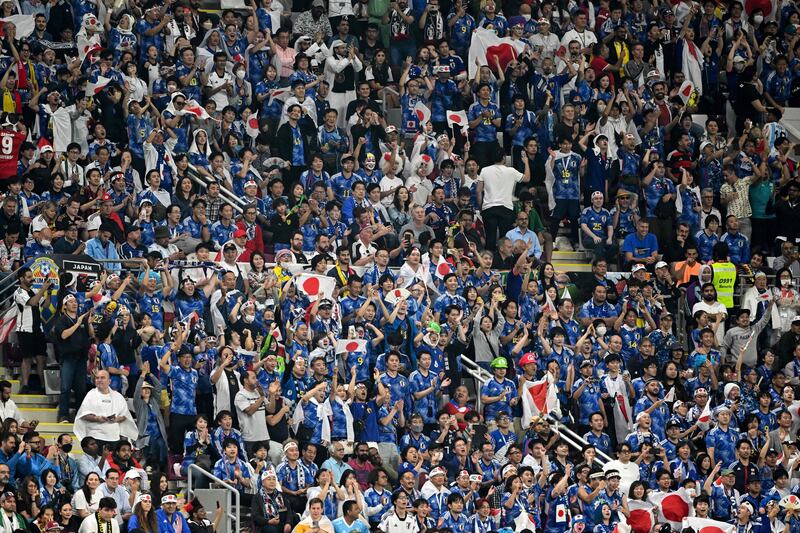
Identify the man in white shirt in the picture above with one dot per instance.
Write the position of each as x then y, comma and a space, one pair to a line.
579, 33
9, 409
219, 83
104, 414
495, 190
251, 406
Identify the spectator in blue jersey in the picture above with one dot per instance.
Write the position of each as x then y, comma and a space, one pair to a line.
738, 244
563, 170
183, 380
642, 246
485, 120
597, 229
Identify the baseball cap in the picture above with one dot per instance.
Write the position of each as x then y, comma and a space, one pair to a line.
239, 233
637, 267
662, 264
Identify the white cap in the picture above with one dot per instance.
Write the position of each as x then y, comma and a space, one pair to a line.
662, 264
637, 267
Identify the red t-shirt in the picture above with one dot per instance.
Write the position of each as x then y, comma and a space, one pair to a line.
10, 142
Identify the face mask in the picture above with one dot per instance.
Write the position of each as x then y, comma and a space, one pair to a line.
240, 74
526, 16
416, 428
207, 25
67, 448
248, 318
600, 330
758, 19
786, 282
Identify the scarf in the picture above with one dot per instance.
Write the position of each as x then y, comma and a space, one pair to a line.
12, 102
104, 526
272, 503
26, 77
193, 149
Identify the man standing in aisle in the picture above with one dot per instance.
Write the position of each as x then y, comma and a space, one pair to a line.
495, 191
29, 326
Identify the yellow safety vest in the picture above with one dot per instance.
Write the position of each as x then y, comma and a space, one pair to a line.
724, 281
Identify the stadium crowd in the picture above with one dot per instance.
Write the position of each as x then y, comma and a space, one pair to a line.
310, 216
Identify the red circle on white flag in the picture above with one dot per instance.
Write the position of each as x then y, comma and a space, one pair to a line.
351, 346
311, 286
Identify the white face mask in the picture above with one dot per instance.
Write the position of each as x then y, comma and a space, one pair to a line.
240, 74
758, 19
786, 282
45, 242
248, 318
207, 25
600, 331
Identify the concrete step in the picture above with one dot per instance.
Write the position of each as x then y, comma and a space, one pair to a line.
567, 267
42, 414
576, 256
34, 400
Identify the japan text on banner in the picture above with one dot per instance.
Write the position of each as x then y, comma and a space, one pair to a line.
486, 46
315, 286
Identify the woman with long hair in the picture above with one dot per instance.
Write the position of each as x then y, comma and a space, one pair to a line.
86, 499
45, 516
56, 193
260, 279
66, 518
670, 377
159, 484
197, 446
400, 210
184, 196
29, 501
379, 76
144, 515
189, 299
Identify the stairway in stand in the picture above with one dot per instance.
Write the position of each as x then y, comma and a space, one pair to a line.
568, 262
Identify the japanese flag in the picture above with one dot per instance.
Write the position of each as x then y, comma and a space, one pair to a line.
670, 396
95, 88
641, 519
673, 507
315, 286
486, 46
443, 268
525, 521
705, 525
458, 118
704, 420
397, 294
280, 94
24, 24
422, 113
252, 125
7, 323
622, 527
89, 50
686, 90
193, 108
538, 398
351, 346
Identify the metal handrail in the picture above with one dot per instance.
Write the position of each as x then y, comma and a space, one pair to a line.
383, 102
481, 375
580, 442
228, 195
236, 517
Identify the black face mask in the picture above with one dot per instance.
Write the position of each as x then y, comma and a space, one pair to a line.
67, 448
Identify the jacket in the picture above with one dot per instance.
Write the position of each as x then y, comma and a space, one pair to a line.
141, 409
283, 141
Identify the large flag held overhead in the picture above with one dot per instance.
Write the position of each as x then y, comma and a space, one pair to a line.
706, 525
193, 108
25, 24
351, 346
458, 118
486, 46
251, 125
539, 398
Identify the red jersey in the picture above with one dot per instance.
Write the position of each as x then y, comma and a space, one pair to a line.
10, 142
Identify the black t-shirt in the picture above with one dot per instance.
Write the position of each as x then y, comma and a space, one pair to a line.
746, 95
279, 431
77, 344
